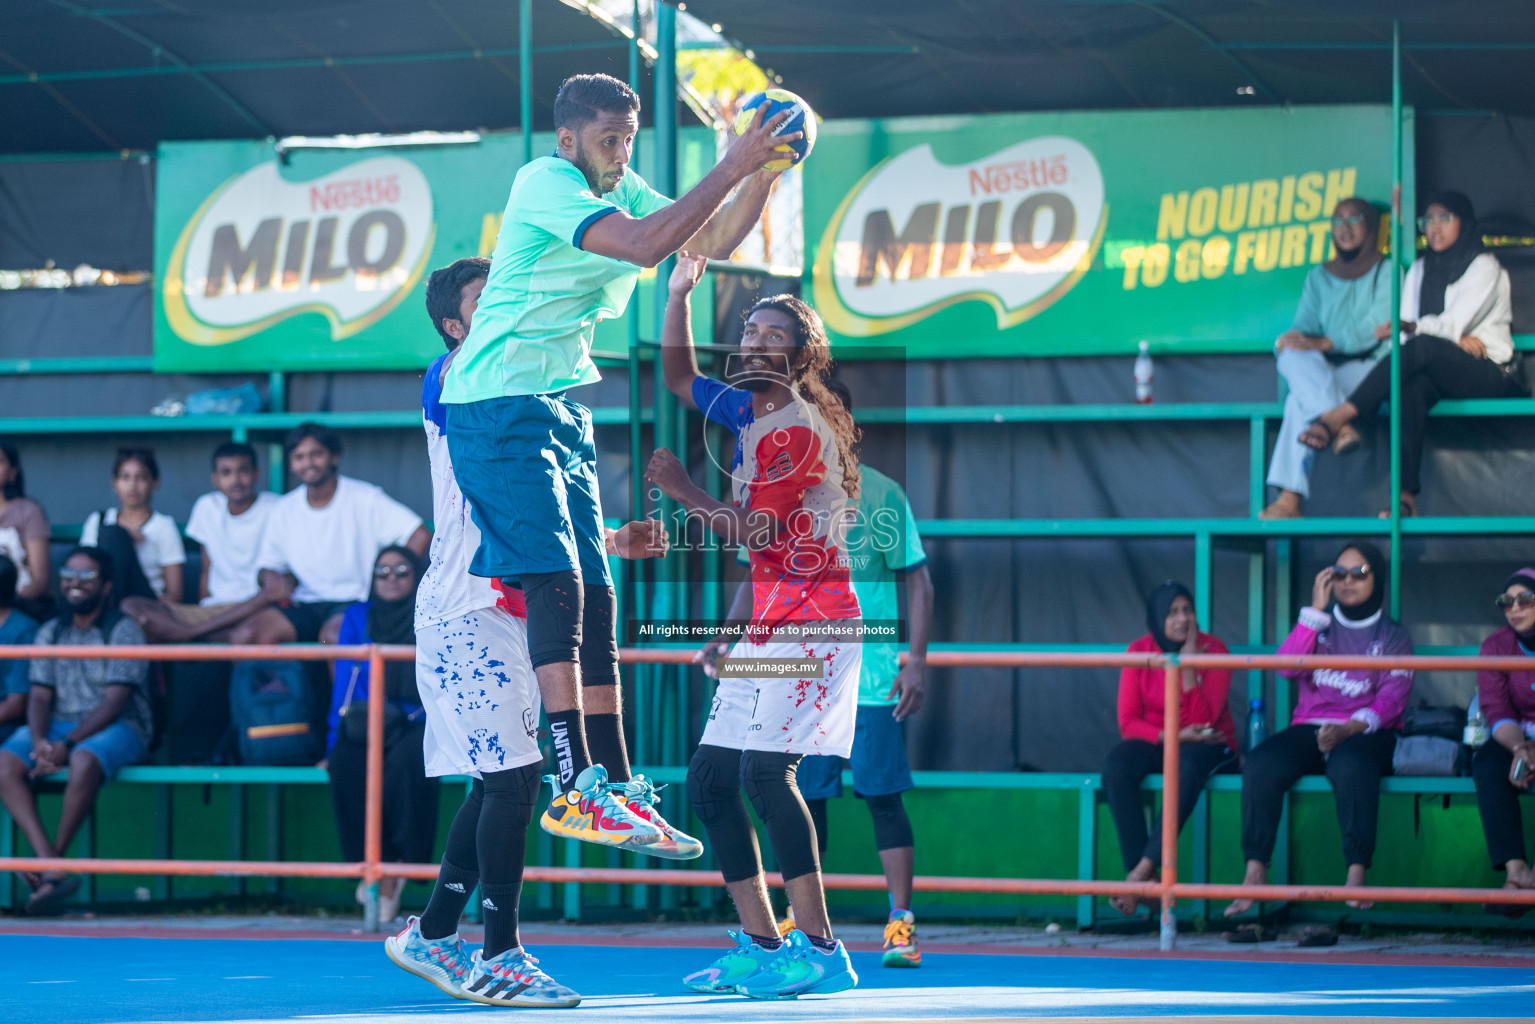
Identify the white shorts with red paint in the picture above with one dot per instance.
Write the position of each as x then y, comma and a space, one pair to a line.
789, 715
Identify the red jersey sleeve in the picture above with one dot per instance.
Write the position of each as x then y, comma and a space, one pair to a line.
789, 463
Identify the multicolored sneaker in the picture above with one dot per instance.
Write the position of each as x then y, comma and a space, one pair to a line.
786, 925
514, 979
801, 969
733, 968
443, 962
901, 940
639, 795
592, 813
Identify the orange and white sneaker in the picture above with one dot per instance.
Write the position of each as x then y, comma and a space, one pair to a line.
592, 813
901, 940
639, 796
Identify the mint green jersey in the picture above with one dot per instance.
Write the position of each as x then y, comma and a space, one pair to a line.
532, 331
882, 540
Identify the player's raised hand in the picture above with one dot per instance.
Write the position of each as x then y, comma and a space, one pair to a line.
644, 538
757, 145
688, 272
666, 472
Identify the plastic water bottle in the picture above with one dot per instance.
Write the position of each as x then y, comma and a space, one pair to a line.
1143, 375
1476, 723
1257, 723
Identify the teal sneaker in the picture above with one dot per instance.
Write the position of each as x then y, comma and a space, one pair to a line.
514, 979
801, 970
443, 962
733, 968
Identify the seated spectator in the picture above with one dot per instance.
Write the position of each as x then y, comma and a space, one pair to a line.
1508, 704
89, 715
1456, 312
1345, 723
410, 798
150, 537
16, 628
1330, 346
229, 523
1206, 734
24, 535
320, 543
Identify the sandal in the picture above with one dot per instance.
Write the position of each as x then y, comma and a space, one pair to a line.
1247, 934
49, 899
1509, 910
1280, 509
1317, 936
1317, 436
1347, 441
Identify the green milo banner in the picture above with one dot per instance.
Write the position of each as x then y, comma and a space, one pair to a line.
320, 261
1083, 233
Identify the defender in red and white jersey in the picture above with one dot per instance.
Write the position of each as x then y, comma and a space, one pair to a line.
792, 474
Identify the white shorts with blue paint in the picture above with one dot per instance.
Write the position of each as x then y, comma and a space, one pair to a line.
480, 694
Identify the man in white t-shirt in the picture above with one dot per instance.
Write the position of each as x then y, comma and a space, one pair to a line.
229, 523
320, 543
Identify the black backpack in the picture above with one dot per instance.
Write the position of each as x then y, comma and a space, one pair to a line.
269, 714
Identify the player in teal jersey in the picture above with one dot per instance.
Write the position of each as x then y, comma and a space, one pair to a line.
578, 226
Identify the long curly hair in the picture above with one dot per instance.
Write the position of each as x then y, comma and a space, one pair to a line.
808, 374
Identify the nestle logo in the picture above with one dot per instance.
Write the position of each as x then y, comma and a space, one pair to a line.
1019, 175
355, 194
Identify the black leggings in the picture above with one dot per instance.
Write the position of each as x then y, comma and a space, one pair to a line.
1127, 767
1355, 768
1432, 368
1498, 801
410, 798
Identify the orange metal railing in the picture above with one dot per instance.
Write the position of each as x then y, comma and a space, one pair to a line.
1167, 890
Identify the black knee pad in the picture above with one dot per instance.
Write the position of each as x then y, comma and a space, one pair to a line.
506, 812
892, 828
714, 789
599, 644
554, 602
769, 781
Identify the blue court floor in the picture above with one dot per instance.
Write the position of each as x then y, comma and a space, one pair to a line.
98, 980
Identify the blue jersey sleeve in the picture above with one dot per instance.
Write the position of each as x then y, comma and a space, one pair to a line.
730, 407
431, 394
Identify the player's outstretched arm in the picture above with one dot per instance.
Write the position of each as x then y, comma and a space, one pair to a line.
738, 526
647, 241
731, 223
679, 363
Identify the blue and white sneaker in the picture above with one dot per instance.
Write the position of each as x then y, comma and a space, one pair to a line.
444, 962
514, 979
733, 968
801, 969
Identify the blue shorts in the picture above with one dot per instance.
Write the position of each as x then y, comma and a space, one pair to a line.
114, 747
528, 465
878, 760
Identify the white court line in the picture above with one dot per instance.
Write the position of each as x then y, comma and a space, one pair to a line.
61, 981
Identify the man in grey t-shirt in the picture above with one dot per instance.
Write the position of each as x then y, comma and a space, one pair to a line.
90, 715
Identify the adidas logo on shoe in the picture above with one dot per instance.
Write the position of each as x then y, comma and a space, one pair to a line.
455, 886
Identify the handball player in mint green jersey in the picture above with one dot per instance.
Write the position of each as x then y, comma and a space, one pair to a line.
578, 227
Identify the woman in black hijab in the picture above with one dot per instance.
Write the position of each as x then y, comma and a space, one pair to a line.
1456, 313
410, 798
1206, 735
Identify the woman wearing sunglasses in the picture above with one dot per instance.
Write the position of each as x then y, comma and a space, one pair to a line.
1345, 722
1508, 702
1456, 314
410, 798
1330, 347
